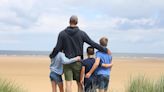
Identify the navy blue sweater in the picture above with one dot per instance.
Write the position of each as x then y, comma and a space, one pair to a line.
71, 41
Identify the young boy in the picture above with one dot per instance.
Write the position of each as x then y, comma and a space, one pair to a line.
103, 71
89, 83
56, 69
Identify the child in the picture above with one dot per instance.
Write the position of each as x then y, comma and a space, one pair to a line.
56, 69
103, 72
89, 83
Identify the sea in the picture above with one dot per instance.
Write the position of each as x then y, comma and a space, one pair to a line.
46, 53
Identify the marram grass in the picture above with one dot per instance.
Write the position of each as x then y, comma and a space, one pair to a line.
144, 84
159, 86
7, 86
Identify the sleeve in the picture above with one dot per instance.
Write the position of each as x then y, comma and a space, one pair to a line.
58, 46
66, 60
92, 43
83, 63
98, 55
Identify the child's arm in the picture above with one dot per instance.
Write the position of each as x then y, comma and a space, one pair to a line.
66, 60
82, 75
95, 65
106, 65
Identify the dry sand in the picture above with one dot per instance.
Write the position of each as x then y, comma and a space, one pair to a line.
32, 73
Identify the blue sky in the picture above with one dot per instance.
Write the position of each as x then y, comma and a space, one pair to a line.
133, 26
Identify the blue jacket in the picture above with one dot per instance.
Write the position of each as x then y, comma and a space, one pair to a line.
58, 61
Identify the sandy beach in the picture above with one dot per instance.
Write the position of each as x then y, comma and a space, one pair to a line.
32, 72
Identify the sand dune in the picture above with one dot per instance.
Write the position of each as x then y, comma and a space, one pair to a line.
32, 73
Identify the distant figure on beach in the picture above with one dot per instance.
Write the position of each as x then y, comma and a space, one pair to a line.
56, 68
71, 41
103, 71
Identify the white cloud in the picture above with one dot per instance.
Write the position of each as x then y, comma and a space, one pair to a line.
49, 23
138, 41
26, 14
130, 24
3, 2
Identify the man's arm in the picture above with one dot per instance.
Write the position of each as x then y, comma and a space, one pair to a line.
95, 65
87, 39
57, 48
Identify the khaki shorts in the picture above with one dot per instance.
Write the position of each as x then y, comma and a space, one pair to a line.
72, 71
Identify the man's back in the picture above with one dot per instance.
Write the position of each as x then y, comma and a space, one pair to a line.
71, 41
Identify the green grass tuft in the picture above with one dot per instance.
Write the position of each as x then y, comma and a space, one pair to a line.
159, 86
7, 86
143, 84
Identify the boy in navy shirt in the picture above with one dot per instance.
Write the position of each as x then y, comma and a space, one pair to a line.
89, 83
103, 71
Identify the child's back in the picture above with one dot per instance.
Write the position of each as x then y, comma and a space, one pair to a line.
104, 59
88, 63
103, 71
89, 83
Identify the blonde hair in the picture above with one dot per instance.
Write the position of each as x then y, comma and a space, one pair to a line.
103, 41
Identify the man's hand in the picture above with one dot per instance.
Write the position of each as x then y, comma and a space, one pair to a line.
88, 75
109, 52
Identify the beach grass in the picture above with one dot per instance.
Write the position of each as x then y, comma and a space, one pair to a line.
144, 84
8, 86
159, 86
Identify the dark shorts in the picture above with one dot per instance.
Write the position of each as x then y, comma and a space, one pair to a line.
56, 77
72, 71
103, 81
90, 84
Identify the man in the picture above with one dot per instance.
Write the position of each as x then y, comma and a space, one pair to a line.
71, 41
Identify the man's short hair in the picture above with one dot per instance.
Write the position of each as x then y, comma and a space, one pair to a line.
104, 41
90, 50
73, 20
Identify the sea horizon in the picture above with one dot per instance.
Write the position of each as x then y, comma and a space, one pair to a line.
46, 53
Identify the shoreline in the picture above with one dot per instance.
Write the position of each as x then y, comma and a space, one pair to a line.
114, 57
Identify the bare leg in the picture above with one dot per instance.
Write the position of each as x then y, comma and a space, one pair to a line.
60, 85
68, 86
80, 89
101, 90
53, 86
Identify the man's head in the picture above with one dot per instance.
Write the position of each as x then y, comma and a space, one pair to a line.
73, 20
90, 51
104, 41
